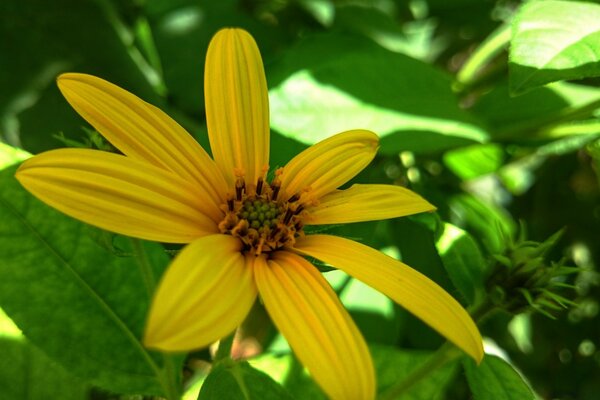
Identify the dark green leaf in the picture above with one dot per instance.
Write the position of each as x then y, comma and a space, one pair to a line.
495, 379
44, 39
82, 305
28, 374
239, 381
554, 40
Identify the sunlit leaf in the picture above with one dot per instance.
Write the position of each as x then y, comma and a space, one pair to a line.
554, 40
319, 92
11, 155
473, 161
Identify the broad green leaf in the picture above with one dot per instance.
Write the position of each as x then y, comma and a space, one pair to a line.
391, 366
84, 306
495, 379
474, 161
552, 41
27, 373
463, 262
327, 84
238, 380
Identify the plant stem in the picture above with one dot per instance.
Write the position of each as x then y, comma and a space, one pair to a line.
224, 350
447, 352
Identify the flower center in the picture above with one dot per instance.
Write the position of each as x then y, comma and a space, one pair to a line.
260, 218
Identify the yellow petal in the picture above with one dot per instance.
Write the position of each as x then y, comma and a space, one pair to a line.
204, 295
406, 286
237, 105
142, 131
366, 203
121, 195
329, 164
323, 336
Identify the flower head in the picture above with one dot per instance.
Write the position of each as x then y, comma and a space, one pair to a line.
244, 234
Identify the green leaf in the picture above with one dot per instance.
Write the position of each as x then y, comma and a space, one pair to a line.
82, 305
27, 373
238, 380
329, 83
393, 366
474, 161
463, 262
490, 224
495, 379
554, 40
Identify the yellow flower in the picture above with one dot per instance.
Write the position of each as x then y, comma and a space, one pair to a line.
244, 234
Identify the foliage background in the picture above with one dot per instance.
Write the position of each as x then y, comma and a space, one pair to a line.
489, 146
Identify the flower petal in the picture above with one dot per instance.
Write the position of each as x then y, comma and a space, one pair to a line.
237, 105
406, 286
141, 131
308, 313
119, 194
329, 164
366, 203
204, 295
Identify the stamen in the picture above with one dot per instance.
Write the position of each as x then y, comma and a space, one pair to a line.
259, 186
275, 188
240, 186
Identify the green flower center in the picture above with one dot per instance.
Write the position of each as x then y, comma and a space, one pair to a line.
260, 213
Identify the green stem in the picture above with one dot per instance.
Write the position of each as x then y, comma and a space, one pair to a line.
491, 47
224, 350
442, 356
